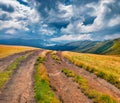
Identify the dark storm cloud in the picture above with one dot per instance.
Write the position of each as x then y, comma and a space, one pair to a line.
82, 2
7, 8
22, 2
59, 25
4, 17
44, 6
89, 20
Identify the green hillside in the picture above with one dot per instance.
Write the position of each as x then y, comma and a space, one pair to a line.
115, 48
105, 47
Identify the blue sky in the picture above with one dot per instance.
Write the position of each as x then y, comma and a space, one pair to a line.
59, 21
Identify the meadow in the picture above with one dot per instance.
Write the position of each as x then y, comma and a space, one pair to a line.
104, 66
91, 93
6, 50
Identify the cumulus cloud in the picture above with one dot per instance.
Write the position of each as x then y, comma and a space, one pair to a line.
104, 13
66, 11
114, 21
20, 18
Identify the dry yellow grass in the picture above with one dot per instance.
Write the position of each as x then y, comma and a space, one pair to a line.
6, 50
106, 67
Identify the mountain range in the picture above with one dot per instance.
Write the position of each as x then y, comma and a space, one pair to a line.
87, 46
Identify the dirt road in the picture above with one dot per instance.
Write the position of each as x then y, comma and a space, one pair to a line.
19, 88
65, 89
5, 62
95, 82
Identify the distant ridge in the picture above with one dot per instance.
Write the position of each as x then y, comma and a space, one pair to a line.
87, 46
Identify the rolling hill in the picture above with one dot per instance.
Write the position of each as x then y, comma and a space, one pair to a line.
6, 50
87, 46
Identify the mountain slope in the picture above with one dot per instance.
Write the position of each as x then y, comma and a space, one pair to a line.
79, 46
115, 48
97, 47
107, 47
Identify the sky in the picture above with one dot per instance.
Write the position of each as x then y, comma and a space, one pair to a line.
59, 21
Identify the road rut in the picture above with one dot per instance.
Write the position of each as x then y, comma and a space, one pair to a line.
65, 89
19, 88
5, 62
95, 82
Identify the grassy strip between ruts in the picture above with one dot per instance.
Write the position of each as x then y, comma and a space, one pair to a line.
106, 67
5, 75
56, 58
43, 91
96, 96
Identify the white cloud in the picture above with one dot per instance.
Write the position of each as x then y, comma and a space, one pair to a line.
63, 13
66, 10
12, 24
114, 21
11, 31
72, 37
100, 10
47, 32
113, 36
25, 0
50, 44
73, 27
20, 18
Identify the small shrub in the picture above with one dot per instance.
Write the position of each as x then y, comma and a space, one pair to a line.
68, 73
56, 58
39, 60
104, 99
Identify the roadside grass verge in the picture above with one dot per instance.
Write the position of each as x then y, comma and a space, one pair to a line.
106, 67
5, 75
6, 50
43, 91
91, 93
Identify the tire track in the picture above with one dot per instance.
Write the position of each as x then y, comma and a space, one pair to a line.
5, 62
94, 81
65, 89
19, 88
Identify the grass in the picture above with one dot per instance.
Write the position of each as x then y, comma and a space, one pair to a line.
56, 58
5, 75
106, 67
43, 91
115, 48
96, 96
9, 50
